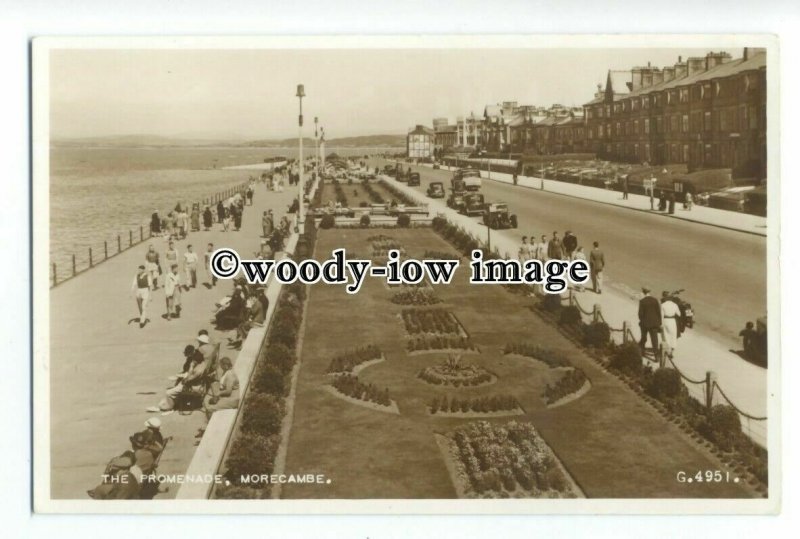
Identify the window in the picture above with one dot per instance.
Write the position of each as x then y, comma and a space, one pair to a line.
685, 123
599, 131
636, 127
707, 121
645, 103
647, 126
685, 153
619, 129
684, 95
674, 125
659, 124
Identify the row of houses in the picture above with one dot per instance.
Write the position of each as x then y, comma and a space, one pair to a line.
705, 112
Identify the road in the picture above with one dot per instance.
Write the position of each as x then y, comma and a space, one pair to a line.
722, 271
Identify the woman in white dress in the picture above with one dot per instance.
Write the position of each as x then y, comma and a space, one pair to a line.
669, 320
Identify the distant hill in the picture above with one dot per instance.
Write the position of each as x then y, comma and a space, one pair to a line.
127, 141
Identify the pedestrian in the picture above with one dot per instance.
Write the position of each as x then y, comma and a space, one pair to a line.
220, 212
171, 255
688, 202
524, 250
597, 262
671, 203
141, 286
190, 266
224, 394
155, 224
669, 324
555, 249
172, 287
748, 335
570, 243
662, 201
649, 320
211, 277
237, 217
226, 220
249, 196
652, 189
266, 225
153, 265
195, 218
541, 249
625, 187
208, 218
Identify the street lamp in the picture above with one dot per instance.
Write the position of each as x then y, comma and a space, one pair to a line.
316, 144
301, 183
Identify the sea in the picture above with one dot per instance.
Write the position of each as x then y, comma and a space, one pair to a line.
98, 193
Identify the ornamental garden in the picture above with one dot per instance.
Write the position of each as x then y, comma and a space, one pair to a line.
447, 391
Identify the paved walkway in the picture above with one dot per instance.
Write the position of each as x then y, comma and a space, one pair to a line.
105, 371
744, 383
742, 222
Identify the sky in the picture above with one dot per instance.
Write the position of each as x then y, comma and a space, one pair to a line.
250, 94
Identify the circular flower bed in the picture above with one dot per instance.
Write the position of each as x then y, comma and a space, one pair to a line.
456, 374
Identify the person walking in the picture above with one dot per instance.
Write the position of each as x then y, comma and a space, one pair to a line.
649, 320
190, 266
555, 249
172, 287
195, 218
540, 252
597, 262
141, 286
208, 218
226, 219
688, 202
155, 224
171, 255
524, 250
625, 187
153, 265
266, 225
211, 277
570, 243
220, 212
670, 313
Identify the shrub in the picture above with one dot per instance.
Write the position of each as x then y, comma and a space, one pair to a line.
665, 384
251, 454
328, 221
596, 335
570, 316
404, 220
262, 414
284, 332
280, 356
571, 382
268, 379
364, 221
628, 359
551, 303
725, 425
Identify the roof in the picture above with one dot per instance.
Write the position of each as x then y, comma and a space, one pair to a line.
618, 81
726, 69
421, 130
492, 110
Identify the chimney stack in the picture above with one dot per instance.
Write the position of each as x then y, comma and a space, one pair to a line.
696, 64
669, 73
681, 69
713, 59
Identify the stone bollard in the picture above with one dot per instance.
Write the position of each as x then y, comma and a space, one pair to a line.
711, 379
596, 313
625, 327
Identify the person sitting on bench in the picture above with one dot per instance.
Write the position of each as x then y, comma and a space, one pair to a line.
193, 380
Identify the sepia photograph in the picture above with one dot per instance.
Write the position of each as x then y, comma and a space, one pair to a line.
476, 274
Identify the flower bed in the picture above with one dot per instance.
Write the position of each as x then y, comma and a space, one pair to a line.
373, 195
552, 358
397, 194
475, 405
570, 383
381, 245
352, 358
416, 296
507, 460
439, 255
453, 373
425, 343
350, 386
430, 321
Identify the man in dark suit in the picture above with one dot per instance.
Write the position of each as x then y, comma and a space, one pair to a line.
597, 261
649, 319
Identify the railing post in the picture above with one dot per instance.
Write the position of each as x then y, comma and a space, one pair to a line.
141, 233
130, 238
571, 300
119, 243
55, 275
625, 332
91, 262
105, 249
711, 379
596, 313
73, 265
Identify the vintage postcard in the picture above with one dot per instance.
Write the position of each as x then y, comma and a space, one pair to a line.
495, 274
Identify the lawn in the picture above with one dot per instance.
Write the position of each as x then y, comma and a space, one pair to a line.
610, 441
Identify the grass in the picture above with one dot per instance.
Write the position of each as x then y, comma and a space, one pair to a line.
612, 443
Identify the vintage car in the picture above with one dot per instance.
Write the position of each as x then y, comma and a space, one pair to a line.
473, 204
497, 216
456, 200
413, 179
388, 169
470, 176
435, 190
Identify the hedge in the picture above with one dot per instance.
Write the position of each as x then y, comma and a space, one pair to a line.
262, 414
627, 358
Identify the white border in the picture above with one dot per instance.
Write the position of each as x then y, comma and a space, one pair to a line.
40, 123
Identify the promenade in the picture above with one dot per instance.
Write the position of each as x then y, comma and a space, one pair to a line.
744, 383
105, 371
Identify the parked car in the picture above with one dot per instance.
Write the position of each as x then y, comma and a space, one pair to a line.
470, 176
413, 179
473, 204
389, 169
435, 190
497, 216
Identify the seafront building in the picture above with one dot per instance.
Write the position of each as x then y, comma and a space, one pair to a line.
702, 112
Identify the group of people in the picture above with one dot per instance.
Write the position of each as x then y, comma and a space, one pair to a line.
244, 309
128, 476
175, 282
565, 248
177, 223
659, 319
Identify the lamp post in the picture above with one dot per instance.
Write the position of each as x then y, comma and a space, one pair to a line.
301, 182
316, 145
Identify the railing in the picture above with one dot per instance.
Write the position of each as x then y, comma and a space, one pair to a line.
124, 243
